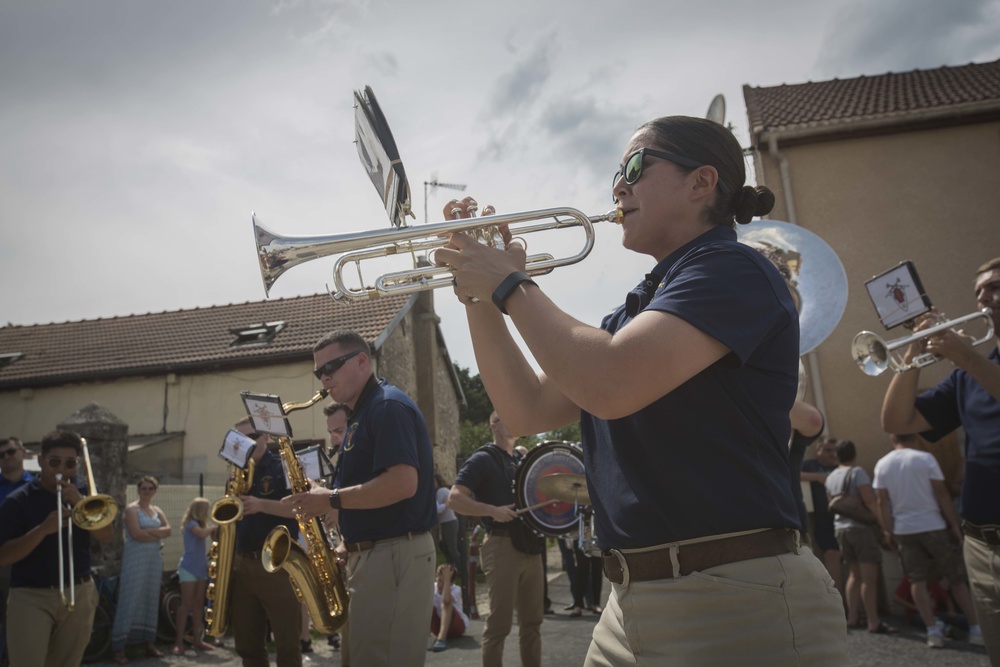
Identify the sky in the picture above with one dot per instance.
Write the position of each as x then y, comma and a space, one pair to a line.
137, 137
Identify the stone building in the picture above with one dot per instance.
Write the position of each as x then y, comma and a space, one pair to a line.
175, 377
886, 168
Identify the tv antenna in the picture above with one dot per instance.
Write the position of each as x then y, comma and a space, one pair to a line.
434, 184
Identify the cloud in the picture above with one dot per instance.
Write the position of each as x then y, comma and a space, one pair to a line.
525, 82
902, 35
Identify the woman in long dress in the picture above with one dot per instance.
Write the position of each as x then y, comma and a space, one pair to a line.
142, 572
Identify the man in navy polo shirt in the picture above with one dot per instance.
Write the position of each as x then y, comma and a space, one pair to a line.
13, 477
384, 496
970, 398
41, 630
515, 579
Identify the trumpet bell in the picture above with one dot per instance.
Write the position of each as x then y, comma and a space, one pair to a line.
870, 353
95, 512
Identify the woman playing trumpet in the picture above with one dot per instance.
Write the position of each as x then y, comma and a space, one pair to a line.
41, 627
683, 395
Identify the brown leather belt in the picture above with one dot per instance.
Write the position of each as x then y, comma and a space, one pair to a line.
621, 568
988, 534
358, 547
76, 582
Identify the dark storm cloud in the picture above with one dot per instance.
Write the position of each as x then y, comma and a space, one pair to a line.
902, 35
526, 81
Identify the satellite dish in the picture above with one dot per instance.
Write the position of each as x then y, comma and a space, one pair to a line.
717, 110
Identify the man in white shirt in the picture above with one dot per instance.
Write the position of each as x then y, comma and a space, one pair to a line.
914, 500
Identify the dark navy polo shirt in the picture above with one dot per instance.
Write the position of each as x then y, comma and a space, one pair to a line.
26, 508
482, 475
693, 463
7, 487
269, 483
386, 429
961, 401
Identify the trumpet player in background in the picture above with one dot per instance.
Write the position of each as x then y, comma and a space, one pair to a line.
259, 597
683, 395
42, 629
384, 498
969, 397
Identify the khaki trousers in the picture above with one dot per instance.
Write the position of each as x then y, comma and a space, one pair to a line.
516, 581
982, 562
259, 597
41, 632
392, 597
775, 611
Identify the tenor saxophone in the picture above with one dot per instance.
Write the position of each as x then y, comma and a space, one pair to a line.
313, 573
226, 513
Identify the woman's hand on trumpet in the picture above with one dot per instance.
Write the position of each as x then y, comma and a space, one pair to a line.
478, 268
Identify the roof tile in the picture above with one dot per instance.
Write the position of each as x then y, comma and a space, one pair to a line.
840, 101
160, 342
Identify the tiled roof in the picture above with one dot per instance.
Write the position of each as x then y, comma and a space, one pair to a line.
892, 97
197, 339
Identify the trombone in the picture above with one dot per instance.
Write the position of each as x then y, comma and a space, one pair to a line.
873, 355
93, 512
276, 254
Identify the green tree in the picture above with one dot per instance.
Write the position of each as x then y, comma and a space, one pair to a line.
478, 406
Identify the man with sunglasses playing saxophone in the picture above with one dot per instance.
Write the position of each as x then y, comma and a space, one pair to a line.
969, 397
384, 497
42, 629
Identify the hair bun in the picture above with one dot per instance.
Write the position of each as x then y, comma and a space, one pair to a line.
752, 202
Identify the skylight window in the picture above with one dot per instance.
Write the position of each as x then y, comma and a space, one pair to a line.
7, 358
258, 334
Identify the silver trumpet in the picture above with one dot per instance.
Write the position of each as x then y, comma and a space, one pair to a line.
277, 254
874, 355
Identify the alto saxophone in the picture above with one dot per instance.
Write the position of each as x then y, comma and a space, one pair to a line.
313, 573
226, 512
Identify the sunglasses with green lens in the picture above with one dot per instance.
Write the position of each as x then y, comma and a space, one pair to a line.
632, 169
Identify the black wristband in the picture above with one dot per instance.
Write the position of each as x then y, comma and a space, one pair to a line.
335, 499
507, 287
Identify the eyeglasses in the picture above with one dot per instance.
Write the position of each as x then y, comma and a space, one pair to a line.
254, 435
331, 367
8, 452
55, 462
632, 169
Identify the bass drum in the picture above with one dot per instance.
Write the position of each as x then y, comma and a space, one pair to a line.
557, 519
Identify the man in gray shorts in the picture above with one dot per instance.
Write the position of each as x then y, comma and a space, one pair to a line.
913, 499
858, 542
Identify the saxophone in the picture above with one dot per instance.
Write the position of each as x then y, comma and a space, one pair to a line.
226, 512
313, 573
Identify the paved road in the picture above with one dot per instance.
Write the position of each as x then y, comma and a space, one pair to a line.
565, 641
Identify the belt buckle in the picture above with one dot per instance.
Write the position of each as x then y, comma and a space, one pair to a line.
991, 535
623, 564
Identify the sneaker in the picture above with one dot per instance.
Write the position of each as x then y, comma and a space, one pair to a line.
439, 645
935, 639
976, 637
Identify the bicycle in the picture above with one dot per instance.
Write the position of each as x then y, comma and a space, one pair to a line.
104, 615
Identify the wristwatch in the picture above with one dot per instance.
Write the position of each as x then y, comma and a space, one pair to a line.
335, 499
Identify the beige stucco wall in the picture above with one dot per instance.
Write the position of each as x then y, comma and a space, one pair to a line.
927, 196
204, 406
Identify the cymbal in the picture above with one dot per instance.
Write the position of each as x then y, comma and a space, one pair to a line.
565, 486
